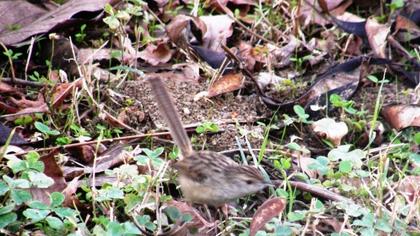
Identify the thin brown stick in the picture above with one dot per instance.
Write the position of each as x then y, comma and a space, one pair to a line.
22, 82
316, 190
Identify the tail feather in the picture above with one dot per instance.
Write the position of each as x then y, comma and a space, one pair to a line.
171, 116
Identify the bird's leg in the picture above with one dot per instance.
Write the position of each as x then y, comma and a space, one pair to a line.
225, 210
203, 221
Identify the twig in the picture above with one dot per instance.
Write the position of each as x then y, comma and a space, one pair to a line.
31, 46
22, 82
316, 190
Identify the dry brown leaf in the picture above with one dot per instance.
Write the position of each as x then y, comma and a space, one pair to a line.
63, 90
39, 24
404, 23
18, 13
156, 54
176, 29
330, 129
242, 5
25, 103
246, 54
185, 208
402, 116
377, 36
227, 83
333, 222
269, 209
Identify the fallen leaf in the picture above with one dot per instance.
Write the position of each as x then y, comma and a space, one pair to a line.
185, 208
42, 23
219, 28
377, 35
62, 91
226, 83
17, 14
156, 54
269, 209
330, 129
190, 71
280, 57
178, 31
402, 116
89, 55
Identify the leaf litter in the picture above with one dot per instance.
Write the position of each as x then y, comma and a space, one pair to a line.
266, 74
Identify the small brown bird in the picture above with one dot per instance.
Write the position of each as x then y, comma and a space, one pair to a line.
205, 177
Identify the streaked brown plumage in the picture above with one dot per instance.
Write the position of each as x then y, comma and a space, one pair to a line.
205, 177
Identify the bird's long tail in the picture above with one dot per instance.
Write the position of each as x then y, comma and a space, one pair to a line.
171, 116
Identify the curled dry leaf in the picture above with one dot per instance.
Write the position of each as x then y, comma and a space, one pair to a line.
63, 90
377, 36
156, 54
29, 106
210, 31
227, 83
219, 28
246, 54
402, 116
177, 28
330, 129
269, 209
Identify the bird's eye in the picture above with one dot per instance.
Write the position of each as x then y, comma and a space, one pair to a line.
249, 181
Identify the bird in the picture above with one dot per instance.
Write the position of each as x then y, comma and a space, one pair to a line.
205, 177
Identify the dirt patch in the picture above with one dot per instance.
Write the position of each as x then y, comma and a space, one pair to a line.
224, 110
